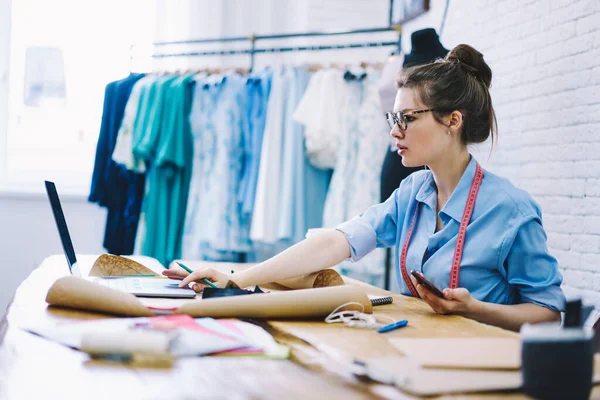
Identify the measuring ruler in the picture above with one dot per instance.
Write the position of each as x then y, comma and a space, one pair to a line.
460, 240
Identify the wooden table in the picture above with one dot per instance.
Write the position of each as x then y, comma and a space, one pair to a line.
32, 367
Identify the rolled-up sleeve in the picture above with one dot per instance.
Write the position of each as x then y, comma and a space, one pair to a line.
531, 270
376, 227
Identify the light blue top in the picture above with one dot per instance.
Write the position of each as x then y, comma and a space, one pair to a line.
213, 220
258, 87
303, 187
505, 258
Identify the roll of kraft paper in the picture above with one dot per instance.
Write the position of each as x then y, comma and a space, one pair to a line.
324, 278
302, 303
78, 293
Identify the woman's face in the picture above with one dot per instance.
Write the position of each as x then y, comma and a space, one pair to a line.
424, 140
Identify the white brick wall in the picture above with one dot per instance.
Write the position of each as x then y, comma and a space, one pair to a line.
545, 56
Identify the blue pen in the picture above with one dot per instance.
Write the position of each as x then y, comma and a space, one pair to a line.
395, 325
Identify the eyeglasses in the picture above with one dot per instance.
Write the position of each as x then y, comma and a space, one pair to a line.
400, 118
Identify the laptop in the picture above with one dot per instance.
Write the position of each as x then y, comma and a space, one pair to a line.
138, 286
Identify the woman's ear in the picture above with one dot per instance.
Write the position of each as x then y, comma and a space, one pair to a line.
455, 121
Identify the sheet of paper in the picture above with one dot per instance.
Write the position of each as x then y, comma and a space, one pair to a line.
186, 341
261, 340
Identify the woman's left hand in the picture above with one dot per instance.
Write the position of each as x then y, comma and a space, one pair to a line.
456, 301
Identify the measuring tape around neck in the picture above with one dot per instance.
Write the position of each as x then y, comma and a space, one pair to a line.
460, 240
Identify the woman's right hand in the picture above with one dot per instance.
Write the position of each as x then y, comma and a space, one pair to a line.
195, 277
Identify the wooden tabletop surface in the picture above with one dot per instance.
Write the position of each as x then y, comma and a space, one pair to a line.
32, 367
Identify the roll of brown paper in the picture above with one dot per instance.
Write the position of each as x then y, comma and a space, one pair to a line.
302, 303
81, 294
325, 278
78, 293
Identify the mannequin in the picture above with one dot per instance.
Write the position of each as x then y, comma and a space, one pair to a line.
425, 48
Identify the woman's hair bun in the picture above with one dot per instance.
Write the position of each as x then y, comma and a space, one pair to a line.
472, 61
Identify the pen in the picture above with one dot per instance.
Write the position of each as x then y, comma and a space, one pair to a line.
395, 325
209, 283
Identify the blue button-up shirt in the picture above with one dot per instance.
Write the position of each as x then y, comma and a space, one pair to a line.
505, 258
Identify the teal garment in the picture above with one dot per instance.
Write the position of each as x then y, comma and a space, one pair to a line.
143, 116
167, 148
145, 146
147, 133
174, 159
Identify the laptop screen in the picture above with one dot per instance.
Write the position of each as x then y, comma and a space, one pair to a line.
61, 224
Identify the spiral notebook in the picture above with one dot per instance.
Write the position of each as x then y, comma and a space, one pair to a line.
381, 300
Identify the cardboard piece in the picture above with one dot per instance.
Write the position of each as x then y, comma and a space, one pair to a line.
78, 293
109, 265
483, 353
410, 377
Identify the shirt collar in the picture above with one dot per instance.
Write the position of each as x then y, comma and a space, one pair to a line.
426, 190
455, 205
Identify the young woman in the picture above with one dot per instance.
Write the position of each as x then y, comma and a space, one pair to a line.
466, 229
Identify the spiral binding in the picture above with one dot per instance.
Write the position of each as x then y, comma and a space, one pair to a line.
379, 301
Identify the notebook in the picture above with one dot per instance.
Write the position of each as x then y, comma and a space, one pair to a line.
381, 300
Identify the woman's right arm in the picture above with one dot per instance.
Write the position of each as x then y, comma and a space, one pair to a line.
376, 227
317, 252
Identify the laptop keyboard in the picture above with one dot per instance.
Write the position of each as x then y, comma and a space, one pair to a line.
125, 285
146, 287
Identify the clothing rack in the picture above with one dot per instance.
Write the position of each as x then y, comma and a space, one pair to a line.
252, 50
253, 39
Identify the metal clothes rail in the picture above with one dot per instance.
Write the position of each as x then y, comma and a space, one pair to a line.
253, 39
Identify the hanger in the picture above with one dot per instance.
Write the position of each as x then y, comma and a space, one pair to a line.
314, 67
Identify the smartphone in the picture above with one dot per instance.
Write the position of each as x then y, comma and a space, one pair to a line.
430, 286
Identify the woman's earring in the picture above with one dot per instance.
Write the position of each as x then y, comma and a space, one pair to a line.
449, 132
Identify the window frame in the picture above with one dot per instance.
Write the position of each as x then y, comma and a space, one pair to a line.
23, 181
5, 43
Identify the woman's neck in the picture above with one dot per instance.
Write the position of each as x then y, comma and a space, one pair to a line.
448, 171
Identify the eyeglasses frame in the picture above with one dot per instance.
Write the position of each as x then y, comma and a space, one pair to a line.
399, 117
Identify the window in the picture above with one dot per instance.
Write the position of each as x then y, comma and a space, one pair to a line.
62, 54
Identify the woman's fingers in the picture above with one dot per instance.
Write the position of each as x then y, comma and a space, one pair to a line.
207, 273
197, 288
175, 273
438, 305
